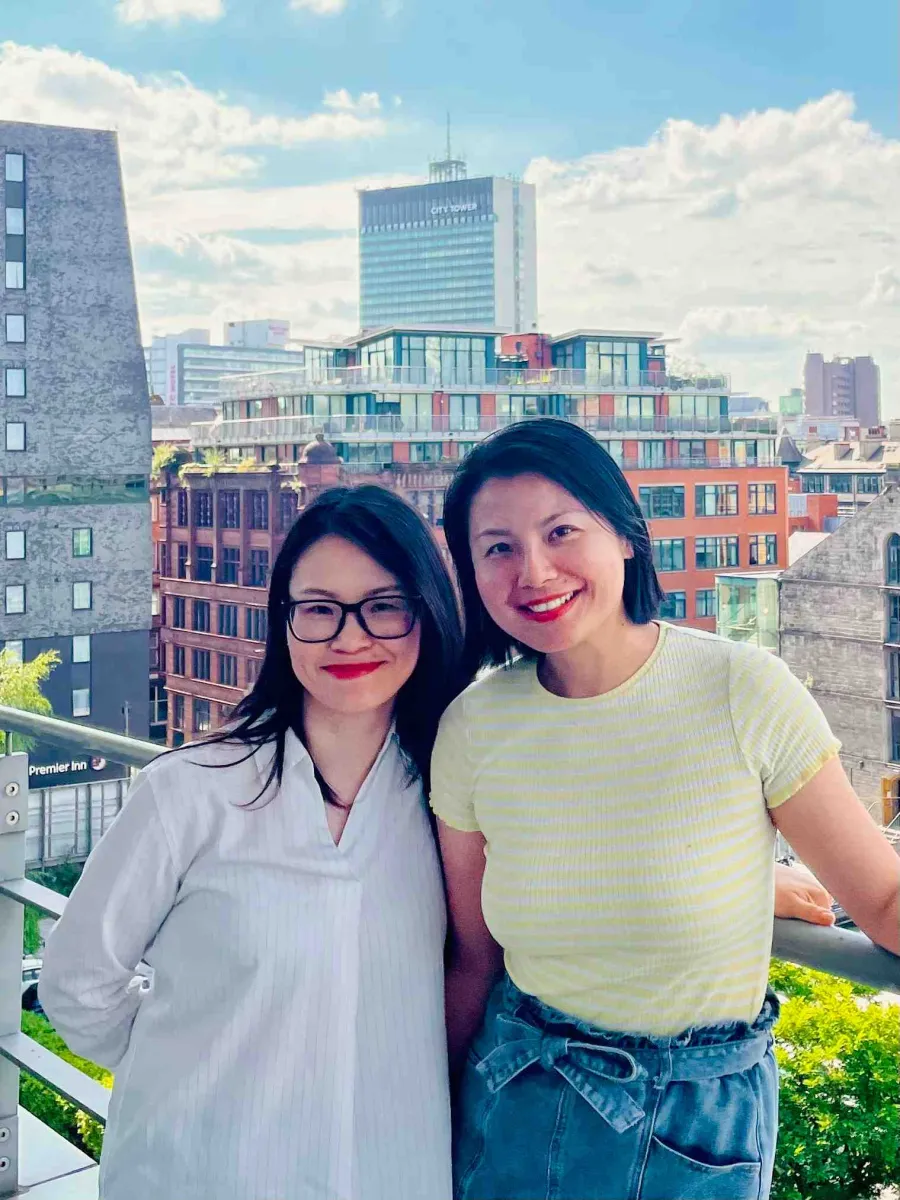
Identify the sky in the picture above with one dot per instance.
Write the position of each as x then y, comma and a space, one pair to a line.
725, 173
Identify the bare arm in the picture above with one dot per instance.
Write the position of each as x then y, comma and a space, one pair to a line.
836, 838
475, 959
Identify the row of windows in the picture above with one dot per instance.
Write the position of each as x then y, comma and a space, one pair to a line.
710, 500
712, 553
201, 664
866, 485
204, 567
674, 607
14, 227
82, 543
201, 711
256, 509
15, 598
256, 620
80, 649
34, 491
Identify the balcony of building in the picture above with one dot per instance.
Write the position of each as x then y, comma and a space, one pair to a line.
37, 1162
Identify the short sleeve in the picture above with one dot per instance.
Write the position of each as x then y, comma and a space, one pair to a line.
780, 728
452, 777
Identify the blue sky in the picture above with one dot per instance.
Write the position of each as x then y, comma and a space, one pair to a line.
245, 126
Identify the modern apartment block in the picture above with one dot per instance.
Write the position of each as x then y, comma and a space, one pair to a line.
409, 402
844, 387
75, 451
454, 251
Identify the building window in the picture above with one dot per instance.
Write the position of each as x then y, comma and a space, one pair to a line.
893, 633
257, 624
15, 543
895, 736
200, 616
229, 565
253, 666
181, 509
177, 711
812, 483
840, 483
706, 602
81, 702
14, 599
258, 508
82, 543
200, 664
714, 552
259, 568
228, 670
228, 620
182, 560
203, 510
15, 276
668, 554
201, 716
178, 660
762, 499
179, 612
763, 549
15, 381
716, 500
82, 595
14, 170
673, 607
425, 452
230, 510
15, 327
287, 510
15, 221
868, 485
894, 675
163, 559
15, 435
81, 648
203, 564
14, 651
659, 502
893, 561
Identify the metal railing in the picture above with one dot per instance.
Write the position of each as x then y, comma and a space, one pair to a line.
449, 377
298, 429
839, 951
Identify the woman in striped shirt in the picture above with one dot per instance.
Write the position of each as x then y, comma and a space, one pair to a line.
289, 903
607, 802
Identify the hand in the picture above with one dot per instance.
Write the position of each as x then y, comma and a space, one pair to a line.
799, 895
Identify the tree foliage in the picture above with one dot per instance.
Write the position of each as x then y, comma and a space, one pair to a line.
63, 1116
20, 687
165, 456
838, 1050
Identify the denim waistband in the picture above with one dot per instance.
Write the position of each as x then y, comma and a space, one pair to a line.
521, 1032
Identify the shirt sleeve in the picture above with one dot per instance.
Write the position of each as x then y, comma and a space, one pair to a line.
452, 778
780, 728
88, 985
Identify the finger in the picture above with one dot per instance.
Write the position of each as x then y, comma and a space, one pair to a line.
814, 914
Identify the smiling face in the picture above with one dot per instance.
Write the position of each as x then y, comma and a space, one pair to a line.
353, 672
549, 572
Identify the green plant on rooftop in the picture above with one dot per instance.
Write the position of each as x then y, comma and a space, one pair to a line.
839, 1127
61, 1115
165, 456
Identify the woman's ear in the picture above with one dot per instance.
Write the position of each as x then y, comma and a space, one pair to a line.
627, 548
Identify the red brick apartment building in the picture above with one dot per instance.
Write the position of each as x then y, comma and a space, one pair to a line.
401, 407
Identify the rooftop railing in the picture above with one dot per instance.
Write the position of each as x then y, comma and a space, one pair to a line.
31, 1156
449, 377
396, 426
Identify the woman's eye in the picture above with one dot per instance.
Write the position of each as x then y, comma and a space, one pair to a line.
562, 531
497, 548
389, 606
319, 610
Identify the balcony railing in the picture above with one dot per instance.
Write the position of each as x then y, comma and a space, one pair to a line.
62, 1172
293, 381
297, 430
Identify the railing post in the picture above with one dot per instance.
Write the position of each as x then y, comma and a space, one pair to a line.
13, 826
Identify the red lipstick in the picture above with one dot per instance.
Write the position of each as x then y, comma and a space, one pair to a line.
352, 670
551, 614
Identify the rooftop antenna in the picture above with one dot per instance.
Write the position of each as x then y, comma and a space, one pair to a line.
449, 169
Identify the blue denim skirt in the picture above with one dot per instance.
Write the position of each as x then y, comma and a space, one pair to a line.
553, 1108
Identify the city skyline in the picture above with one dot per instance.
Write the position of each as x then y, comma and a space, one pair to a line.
754, 218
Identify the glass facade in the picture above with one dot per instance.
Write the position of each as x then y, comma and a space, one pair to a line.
748, 610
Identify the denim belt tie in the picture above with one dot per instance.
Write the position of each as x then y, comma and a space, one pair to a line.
585, 1066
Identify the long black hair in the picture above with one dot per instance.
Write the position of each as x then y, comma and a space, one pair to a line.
396, 536
570, 457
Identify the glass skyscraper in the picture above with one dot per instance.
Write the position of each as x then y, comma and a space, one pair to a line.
453, 251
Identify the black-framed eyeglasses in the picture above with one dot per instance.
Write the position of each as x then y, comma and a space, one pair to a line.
381, 617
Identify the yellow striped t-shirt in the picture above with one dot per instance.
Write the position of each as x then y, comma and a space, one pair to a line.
630, 852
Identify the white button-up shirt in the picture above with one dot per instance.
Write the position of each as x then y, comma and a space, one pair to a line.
291, 1045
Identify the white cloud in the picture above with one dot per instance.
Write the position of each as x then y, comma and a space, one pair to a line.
364, 105
139, 12
319, 8
754, 240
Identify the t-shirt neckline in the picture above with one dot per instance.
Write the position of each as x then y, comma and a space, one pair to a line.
625, 686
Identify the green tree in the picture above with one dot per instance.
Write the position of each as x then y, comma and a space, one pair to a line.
839, 1126
20, 687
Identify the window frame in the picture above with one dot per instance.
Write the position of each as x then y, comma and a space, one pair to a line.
13, 449
78, 642
82, 529
659, 553
753, 500
15, 373
11, 533
15, 341
83, 583
15, 588
84, 709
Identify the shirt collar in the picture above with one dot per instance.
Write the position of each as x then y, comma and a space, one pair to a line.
296, 754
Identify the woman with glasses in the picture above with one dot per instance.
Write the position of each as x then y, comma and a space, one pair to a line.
281, 882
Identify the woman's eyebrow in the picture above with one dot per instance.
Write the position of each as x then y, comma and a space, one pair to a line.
391, 589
